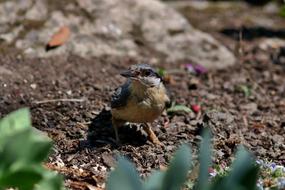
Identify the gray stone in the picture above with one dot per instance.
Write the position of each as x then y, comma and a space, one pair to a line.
11, 35
5, 71
216, 118
250, 107
38, 11
112, 28
10, 10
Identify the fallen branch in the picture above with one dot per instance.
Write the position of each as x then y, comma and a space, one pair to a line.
60, 100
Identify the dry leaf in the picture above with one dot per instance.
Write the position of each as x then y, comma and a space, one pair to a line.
91, 187
258, 125
76, 185
59, 38
168, 79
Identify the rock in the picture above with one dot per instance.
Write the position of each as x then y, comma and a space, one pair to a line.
250, 108
278, 140
271, 43
38, 11
117, 27
216, 118
5, 71
108, 160
11, 35
9, 10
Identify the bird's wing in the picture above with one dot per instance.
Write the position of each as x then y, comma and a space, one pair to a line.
120, 96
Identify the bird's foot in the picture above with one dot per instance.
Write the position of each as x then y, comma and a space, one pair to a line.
151, 135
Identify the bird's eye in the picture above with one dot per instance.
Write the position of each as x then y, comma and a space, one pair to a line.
147, 73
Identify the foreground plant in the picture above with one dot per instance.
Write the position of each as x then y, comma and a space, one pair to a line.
242, 176
22, 152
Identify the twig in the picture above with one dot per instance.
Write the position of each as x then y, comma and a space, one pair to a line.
245, 121
60, 100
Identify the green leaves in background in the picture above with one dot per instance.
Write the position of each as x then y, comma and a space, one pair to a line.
244, 89
282, 11
161, 72
174, 108
22, 152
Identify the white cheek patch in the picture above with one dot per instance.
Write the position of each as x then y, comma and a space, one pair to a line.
150, 81
156, 81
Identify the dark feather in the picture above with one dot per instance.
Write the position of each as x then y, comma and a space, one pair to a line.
120, 96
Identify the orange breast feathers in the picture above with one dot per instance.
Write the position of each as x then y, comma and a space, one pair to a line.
143, 105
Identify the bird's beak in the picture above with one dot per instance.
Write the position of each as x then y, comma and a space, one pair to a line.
129, 74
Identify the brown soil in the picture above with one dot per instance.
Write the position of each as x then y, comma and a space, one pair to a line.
80, 124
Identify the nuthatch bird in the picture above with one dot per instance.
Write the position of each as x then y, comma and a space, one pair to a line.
140, 100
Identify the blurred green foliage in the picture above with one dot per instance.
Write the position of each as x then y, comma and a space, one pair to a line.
246, 90
22, 152
175, 108
282, 11
242, 176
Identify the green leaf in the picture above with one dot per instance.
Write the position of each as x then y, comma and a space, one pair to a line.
204, 160
177, 172
154, 181
41, 146
24, 148
244, 171
244, 89
243, 175
282, 11
51, 181
13, 151
24, 179
124, 177
218, 183
278, 173
22, 151
14, 122
178, 108
161, 72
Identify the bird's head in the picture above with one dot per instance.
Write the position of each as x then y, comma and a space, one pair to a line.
144, 74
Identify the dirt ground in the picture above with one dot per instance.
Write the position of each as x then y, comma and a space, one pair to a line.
69, 98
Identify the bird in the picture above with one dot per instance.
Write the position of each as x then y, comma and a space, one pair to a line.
141, 99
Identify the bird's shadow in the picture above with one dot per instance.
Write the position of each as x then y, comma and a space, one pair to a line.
101, 132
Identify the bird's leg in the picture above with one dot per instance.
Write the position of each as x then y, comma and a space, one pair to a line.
116, 123
153, 138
